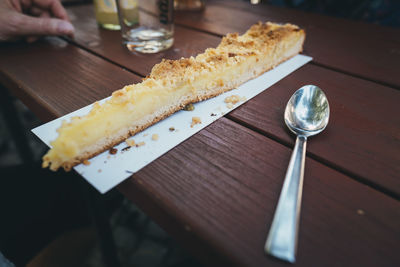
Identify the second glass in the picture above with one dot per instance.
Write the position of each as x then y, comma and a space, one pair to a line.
154, 31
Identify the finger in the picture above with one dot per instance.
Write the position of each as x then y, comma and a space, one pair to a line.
44, 14
28, 25
54, 6
16, 5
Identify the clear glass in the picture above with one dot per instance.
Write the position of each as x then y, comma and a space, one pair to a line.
107, 16
153, 31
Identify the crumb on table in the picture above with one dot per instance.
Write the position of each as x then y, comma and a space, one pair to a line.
154, 137
195, 120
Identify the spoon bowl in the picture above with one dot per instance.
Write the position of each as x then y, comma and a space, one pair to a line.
306, 114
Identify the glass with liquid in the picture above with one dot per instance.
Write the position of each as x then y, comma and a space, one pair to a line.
154, 31
107, 16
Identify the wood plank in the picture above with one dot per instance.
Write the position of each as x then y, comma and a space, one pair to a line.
108, 43
363, 135
54, 78
217, 192
364, 50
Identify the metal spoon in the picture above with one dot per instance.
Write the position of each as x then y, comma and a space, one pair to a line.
306, 114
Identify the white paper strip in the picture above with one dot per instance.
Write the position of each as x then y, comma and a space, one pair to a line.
106, 171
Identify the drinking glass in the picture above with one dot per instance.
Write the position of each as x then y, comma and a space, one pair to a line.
153, 31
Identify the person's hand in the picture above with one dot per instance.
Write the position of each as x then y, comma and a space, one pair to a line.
33, 18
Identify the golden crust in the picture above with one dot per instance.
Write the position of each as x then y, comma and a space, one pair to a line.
266, 45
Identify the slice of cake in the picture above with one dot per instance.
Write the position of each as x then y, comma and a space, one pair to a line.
171, 85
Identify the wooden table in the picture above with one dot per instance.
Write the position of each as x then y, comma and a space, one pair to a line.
216, 193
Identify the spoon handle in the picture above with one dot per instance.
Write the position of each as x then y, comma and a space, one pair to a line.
282, 237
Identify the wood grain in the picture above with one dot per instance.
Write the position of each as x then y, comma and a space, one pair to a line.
108, 44
363, 134
364, 50
54, 78
217, 192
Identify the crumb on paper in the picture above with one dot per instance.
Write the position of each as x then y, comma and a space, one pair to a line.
86, 162
146, 134
243, 99
108, 157
229, 105
113, 151
105, 161
360, 212
128, 171
213, 115
140, 144
195, 120
154, 137
126, 148
130, 142
99, 170
189, 107
233, 99
171, 129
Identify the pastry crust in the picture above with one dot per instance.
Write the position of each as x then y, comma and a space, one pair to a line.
171, 85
